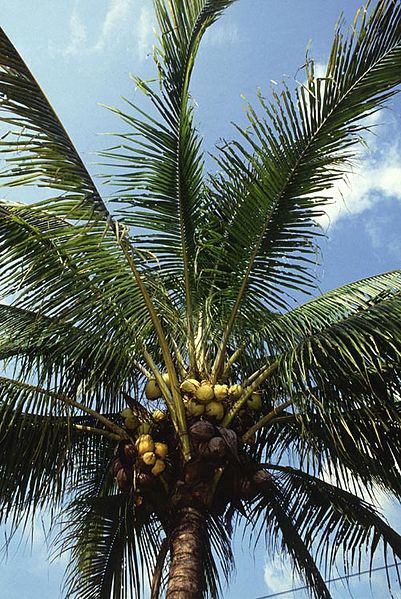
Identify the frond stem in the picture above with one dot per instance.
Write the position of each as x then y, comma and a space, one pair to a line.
266, 419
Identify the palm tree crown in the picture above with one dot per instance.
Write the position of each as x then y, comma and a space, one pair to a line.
158, 386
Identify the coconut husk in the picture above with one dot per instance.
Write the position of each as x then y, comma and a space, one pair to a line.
123, 479
217, 447
202, 430
230, 438
116, 466
129, 453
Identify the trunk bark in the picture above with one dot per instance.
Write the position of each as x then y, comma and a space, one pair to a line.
186, 577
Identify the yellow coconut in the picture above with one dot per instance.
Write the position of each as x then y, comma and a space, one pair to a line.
159, 415
144, 444
214, 409
161, 450
189, 386
152, 390
149, 458
204, 393
220, 392
195, 409
144, 428
131, 423
158, 467
127, 413
235, 391
254, 403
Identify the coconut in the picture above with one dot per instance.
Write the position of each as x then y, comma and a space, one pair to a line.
161, 450
202, 430
217, 447
131, 423
214, 409
189, 386
127, 413
254, 403
149, 458
144, 428
220, 392
123, 479
166, 379
116, 466
204, 393
152, 390
235, 391
194, 408
158, 467
144, 444
129, 452
159, 415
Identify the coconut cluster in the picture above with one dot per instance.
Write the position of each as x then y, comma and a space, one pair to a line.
212, 401
141, 459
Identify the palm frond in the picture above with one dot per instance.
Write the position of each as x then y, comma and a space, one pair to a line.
277, 521
37, 148
112, 543
334, 520
162, 164
43, 453
274, 184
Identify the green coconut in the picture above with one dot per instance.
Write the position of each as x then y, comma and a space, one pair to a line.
127, 413
214, 409
235, 391
131, 423
158, 467
152, 390
189, 386
159, 415
144, 428
204, 393
149, 458
254, 403
220, 392
195, 409
161, 450
144, 444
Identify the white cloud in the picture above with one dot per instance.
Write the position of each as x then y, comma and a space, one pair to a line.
221, 34
278, 575
126, 23
78, 35
118, 13
376, 177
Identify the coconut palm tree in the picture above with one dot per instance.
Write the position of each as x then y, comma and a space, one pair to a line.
159, 388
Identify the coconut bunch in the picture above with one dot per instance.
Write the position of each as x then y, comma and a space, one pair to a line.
141, 458
204, 399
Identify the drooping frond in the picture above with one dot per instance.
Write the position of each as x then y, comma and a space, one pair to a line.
274, 509
333, 520
275, 183
316, 521
43, 452
113, 544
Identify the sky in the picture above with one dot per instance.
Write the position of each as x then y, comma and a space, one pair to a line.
82, 54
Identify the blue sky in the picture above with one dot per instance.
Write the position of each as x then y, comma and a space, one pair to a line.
82, 54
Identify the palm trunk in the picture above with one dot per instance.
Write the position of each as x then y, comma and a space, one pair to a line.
186, 577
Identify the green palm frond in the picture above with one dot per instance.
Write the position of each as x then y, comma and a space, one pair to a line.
274, 184
113, 543
277, 523
334, 520
329, 342
355, 446
162, 176
37, 147
43, 454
